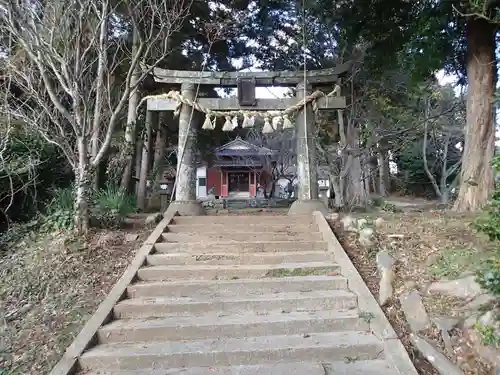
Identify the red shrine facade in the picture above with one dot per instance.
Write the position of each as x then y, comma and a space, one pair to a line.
239, 169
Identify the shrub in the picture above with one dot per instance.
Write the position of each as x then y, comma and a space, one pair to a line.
110, 206
60, 209
489, 274
378, 201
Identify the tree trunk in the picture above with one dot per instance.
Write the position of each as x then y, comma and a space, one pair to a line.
338, 189
146, 157
355, 194
130, 130
102, 65
159, 158
383, 169
82, 185
430, 176
367, 171
477, 173
138, 163
160, 147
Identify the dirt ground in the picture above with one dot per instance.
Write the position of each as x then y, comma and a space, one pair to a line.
427, 246
50, 286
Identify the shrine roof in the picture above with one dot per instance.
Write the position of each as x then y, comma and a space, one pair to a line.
240, 147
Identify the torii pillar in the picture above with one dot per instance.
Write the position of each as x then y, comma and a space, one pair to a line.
185, 202
307, 167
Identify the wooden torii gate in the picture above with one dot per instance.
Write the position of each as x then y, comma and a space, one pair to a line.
246, 82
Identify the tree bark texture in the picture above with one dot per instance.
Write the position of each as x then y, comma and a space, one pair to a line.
138, 163
102, 65
146, 157
161, 145
477, 173
383, 172
82, 186
355, 193
130, 130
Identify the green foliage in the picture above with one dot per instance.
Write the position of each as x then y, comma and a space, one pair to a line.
488, 335
454, 262
378, 201
490, 222
489, 275
389, 207
110, 206
60, 210
29, 171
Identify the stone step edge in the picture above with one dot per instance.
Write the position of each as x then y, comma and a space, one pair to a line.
219, 318
227, 235
243, 246
225, 242
219, 325
251, 285
362, 345
189, 258
148, 307
263, 267
362, 367
239, 281
262, 224
148, 301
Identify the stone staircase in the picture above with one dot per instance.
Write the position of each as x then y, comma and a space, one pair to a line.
249, 295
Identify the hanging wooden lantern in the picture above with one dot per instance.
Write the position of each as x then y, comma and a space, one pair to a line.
246, 92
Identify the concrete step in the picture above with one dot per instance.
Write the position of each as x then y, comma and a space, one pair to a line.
240, 236
277, 227
245, 219
235, 258
217, 325
291, 301
233, 288
225, 272
247, 247
373, 367
315, 347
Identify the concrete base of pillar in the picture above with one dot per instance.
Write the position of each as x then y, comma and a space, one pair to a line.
307, 207
186, 208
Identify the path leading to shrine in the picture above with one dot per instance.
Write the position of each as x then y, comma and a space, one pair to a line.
249, 295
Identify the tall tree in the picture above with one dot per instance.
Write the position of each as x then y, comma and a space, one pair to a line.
477, 174
67, 79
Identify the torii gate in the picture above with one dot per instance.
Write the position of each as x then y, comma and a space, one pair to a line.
246, 82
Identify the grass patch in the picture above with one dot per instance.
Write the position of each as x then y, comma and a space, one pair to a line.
488, 335
289, 272
453, 262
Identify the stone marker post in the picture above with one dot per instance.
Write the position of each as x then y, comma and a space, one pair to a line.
307, 168
185, 194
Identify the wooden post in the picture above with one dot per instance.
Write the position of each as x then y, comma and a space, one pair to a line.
307, 168
185, 192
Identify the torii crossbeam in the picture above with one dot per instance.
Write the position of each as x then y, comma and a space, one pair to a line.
185, 197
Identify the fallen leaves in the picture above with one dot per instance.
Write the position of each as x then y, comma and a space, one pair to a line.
50, 286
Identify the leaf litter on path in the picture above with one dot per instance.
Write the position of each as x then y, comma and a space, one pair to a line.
428, 246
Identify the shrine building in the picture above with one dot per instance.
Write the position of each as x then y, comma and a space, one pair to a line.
238, 170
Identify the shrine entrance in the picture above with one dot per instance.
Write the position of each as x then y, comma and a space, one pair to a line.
239, 184
247, 111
